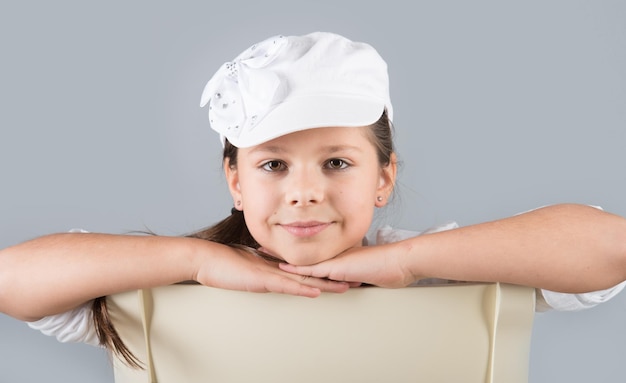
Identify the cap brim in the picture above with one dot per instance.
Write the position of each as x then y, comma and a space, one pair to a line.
310, 112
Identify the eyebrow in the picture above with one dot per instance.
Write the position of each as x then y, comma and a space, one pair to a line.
330, 149
340, 148
267, 148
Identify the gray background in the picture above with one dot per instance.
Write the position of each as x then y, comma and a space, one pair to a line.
500, 107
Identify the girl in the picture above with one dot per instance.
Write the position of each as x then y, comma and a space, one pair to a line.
305, 122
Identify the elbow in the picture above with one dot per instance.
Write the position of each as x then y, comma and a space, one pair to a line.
12, 301
605, 244
614, 242
621, 247
15, 307
20, 315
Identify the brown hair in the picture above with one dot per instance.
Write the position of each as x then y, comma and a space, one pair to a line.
231, 231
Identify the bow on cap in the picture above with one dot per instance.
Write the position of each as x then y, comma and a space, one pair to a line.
240, 93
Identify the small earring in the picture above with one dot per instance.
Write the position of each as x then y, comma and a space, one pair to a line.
235, 210
379, 199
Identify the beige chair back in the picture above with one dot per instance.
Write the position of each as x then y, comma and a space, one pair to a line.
453, 333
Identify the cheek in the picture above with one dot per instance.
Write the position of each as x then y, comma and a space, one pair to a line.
253, 188
363, 191
259, 203
357, 203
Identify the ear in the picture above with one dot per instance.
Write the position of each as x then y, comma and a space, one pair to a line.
387, 181
232, 178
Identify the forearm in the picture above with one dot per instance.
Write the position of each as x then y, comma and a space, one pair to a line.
55, 273
567, 248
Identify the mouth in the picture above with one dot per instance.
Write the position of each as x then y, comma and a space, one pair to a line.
305, 229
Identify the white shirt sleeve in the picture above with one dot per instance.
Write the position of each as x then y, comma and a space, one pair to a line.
75, 325
547, 299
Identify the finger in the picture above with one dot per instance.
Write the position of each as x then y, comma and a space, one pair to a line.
318, 279
284, 285
324, 285
300, 270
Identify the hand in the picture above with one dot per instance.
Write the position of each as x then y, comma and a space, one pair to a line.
376, 265
236, 269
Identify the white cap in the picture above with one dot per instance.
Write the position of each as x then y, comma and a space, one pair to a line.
291, 83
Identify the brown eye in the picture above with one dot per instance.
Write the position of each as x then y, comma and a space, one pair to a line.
273, 166
336, 164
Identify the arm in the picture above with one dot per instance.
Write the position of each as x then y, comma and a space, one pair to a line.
567, 248
58, 272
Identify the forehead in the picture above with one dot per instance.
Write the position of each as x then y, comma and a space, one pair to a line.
330, 138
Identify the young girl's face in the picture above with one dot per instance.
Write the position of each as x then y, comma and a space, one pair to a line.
310, 195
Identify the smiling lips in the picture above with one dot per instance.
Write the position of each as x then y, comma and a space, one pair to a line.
305, 229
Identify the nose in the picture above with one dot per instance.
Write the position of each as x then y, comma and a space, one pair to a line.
306, 187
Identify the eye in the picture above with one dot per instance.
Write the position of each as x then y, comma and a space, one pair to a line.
273, 166
336, 164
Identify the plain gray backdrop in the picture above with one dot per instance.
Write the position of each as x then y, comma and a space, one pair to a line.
499, 107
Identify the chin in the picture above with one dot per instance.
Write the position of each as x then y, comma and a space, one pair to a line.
307, 260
